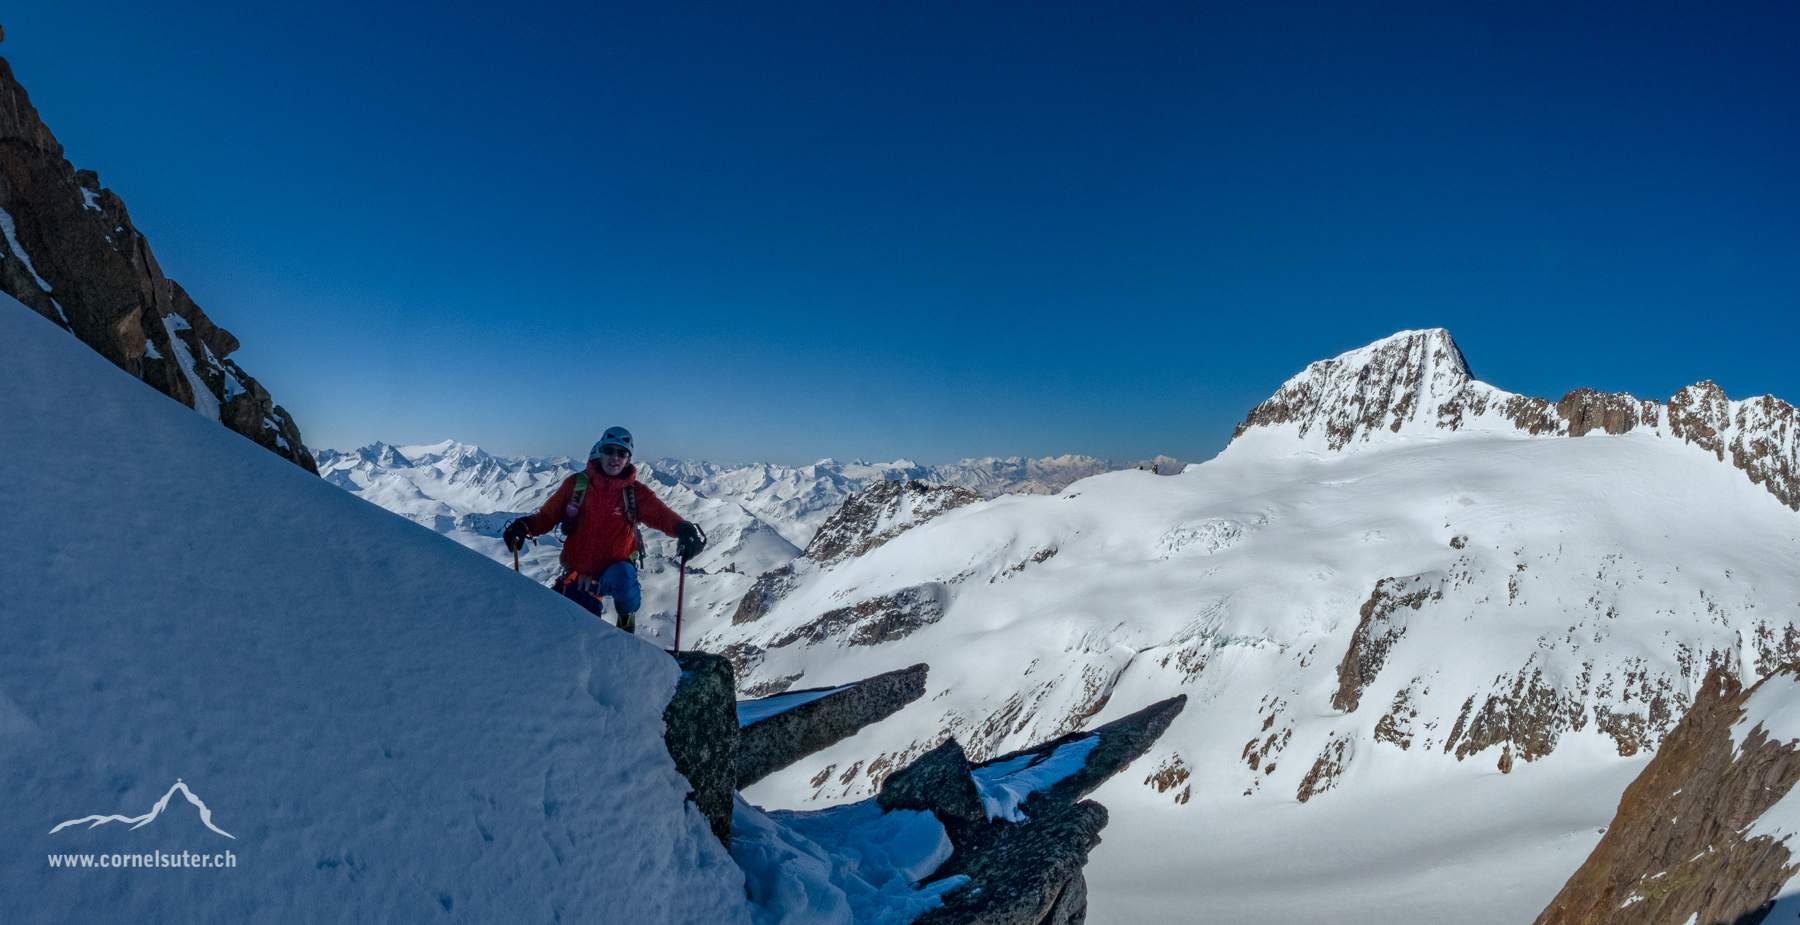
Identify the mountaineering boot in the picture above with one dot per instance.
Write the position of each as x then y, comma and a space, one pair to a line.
628, 622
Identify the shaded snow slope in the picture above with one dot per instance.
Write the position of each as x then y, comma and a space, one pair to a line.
1453, 644
390, 726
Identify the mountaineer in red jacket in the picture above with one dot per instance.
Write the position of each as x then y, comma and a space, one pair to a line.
599, 510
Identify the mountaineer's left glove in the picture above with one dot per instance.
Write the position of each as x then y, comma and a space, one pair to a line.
689, 540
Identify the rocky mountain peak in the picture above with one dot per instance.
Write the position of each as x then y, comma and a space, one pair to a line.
879, 513
1417, 383
1394, 384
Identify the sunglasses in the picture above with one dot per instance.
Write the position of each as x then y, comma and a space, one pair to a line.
617, 451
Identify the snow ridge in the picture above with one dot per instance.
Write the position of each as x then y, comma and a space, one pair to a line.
1417, 384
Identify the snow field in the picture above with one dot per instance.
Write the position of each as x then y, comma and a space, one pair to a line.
850, 863
1610, 571
393, 727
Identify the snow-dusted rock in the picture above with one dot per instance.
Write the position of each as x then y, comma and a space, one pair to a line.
1704, 832
71, 253
1416, 383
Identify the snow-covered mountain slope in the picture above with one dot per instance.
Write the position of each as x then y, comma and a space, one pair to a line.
757, 516
372, 722
1427, 638
444, 485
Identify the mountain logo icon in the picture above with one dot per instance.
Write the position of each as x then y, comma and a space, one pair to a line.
205, 814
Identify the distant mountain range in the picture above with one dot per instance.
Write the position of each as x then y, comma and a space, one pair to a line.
757, 516
1429, 630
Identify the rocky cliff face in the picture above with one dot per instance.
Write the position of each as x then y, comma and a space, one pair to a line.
1692, 841
865, 521
72, 254
1417, 382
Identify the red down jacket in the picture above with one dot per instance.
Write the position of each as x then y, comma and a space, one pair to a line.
602, 534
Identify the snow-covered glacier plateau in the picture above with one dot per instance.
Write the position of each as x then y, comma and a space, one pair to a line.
1429, 631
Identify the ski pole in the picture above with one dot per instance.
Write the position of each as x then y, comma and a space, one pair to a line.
680, 589
515, 560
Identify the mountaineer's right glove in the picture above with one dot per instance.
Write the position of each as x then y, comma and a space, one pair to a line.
515, 535
689, 540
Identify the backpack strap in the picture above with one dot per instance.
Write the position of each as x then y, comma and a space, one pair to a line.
572, 511
631, 517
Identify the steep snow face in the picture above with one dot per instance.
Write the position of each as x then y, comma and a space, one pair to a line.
1455, 644
376, 723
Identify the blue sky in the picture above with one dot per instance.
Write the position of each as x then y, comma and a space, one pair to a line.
784, 231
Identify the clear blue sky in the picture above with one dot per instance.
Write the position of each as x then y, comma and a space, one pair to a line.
785, 230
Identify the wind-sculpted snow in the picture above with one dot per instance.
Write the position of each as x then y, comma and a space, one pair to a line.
384, 726
1399, 591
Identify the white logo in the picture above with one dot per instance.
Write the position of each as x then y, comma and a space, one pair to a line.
205, 814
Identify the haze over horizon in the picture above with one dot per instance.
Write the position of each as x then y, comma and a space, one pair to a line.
933, 231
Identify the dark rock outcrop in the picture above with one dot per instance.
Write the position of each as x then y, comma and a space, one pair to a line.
701, 732
874, 516
1676, 850
865, 521
769, 588
1382, 624
771, 744
1587, 410
71, 253
1025, 873
717, 757
939, 781
874, 621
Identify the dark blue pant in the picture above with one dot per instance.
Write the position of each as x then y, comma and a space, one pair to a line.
619, 582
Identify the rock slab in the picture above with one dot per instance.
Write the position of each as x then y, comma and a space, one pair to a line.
769, 745
1027, 873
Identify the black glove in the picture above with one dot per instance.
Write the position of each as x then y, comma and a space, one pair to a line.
689, 540
515, 535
